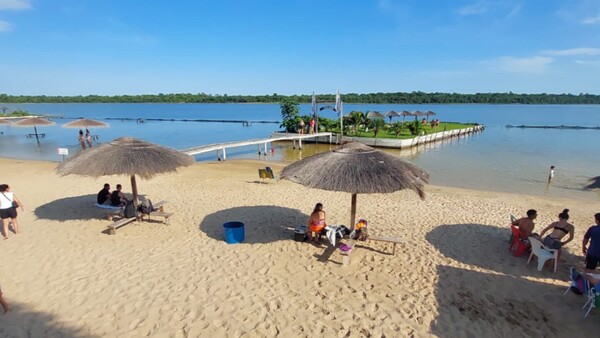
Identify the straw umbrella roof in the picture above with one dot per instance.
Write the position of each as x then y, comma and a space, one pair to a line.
406, 113
418, 113
85, 123
33, 122
375, 115
125, 156
392, 113
357, 169
429, 113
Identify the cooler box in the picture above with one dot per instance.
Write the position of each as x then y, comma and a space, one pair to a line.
300, 233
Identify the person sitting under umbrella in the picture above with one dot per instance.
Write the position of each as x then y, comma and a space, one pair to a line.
316, 222
117, 198
104, 194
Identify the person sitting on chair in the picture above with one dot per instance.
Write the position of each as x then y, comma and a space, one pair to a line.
104, 194
117, 198
526, 224
316, 222
559, 230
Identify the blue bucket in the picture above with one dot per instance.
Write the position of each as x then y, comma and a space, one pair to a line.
234, 232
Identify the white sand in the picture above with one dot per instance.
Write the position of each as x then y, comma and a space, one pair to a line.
453, 277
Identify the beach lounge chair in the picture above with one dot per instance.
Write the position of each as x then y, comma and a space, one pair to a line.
112, 228
542, 253
518, 244
266, 173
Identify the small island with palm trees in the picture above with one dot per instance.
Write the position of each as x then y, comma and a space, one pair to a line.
374, 128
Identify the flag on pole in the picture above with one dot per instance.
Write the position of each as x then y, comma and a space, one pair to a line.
314, 105
338, 103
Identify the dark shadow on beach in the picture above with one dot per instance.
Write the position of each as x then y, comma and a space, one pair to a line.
486, 246
594, 183
71, 209
471, 302
25, 322
262, 223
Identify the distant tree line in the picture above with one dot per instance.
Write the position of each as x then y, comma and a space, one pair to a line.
384, 98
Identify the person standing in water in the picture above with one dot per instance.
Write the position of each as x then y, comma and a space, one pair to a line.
551, 174
81, 139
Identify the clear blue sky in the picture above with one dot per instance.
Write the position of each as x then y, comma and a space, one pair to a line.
107, 47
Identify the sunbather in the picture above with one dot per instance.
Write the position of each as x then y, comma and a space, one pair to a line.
559, 230
526, 224
316, 221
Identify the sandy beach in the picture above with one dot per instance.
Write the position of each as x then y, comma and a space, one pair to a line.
453, 276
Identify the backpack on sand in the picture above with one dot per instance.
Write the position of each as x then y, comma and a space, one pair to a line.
146, 207
129, 210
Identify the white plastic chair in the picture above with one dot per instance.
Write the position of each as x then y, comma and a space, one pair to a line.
543, 254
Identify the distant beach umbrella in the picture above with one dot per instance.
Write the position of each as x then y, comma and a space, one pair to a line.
85, 123
357, 169
391, 114
375, 115
405, 113
429, 113
125, 156
35, 122
418, 113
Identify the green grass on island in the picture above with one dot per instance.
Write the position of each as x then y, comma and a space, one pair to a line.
391, 131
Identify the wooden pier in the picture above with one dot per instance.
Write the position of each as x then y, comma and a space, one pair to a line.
221, 148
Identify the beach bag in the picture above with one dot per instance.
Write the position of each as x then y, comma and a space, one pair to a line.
146, 207
578, 285
129, 210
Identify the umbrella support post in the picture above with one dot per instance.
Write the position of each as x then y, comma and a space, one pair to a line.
224, 154
37, 137
134, 191
353, 212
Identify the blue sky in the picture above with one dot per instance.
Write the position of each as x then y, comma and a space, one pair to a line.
255, 47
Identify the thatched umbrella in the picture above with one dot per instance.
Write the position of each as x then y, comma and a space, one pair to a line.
375, 115
429, 113
85, 123
405, 114
357, 169
125, 156
33, 121
391, 114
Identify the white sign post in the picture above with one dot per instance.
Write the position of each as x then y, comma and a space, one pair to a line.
63, 151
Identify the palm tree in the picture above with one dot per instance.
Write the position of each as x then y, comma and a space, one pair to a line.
357, 119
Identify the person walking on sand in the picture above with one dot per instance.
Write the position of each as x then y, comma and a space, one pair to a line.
551, 174
81, 139
8, 209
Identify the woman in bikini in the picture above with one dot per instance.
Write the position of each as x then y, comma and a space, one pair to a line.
558, 230
316, 222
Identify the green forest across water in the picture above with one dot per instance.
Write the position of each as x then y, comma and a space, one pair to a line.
374, 98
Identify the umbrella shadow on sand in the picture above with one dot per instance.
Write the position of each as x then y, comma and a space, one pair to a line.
472, 302
71, 209
23, 321
486, 246
262, 223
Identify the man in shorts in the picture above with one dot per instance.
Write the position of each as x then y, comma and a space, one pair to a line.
592, 253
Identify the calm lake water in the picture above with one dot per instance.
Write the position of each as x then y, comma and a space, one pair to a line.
498, 159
